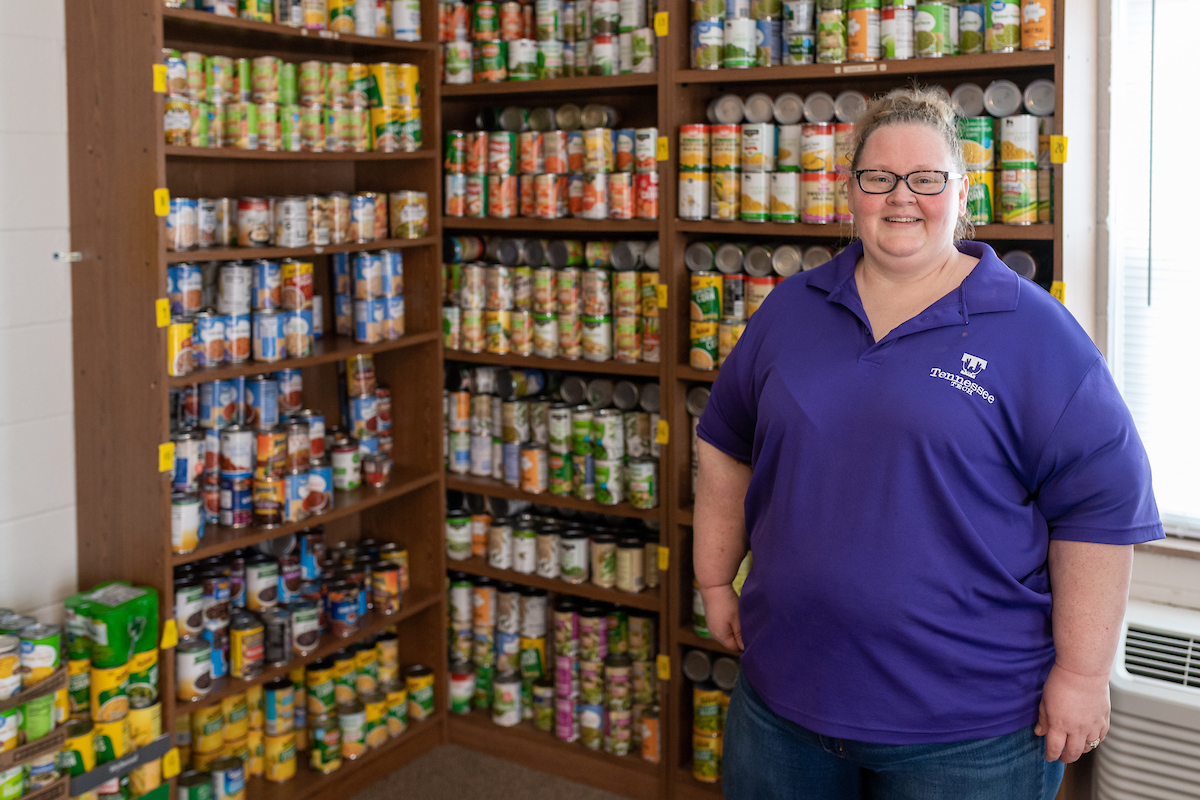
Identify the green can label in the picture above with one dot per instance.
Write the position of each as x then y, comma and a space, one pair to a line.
1003, 25
929, 29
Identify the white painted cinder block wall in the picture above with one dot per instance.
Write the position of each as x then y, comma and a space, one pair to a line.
37, 441
37, 452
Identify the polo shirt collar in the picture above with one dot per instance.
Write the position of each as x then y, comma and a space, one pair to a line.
991, 286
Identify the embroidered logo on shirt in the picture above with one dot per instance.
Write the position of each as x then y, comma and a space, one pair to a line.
962, 384
972, 365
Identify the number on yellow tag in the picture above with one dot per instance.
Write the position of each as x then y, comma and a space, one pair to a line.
166, 457
663, 434
160, 78
170, 635
170, 764
1059, 290
664, 558
663, 152
664, 667
162, 312
162, 202
661, 292
1058, 149
660, 23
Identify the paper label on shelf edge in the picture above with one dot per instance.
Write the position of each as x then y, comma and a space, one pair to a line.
162, 202
663, 151
162, 312
1059, 290
664, 667
660, 23
664, 558
171, 763
1058, 149
170, 635
160, 78
166, 457
661, 291
663, 434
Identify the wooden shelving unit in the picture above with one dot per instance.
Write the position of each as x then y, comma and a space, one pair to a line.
118, 158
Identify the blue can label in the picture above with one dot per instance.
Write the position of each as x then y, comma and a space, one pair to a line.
236, 500
262, 403
298, 330
344, 611
220, 654
341, 273
269, 337
343, 315
768, 39
185, 288
266, 291
368, 315
368, 276
393, 272
291, 391
221, 403
230, 783
395, 316
364, 416
208, 341
295, 487
512, 464
362, 212
237, 338
368, 444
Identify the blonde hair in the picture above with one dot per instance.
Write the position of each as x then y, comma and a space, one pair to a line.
915, 106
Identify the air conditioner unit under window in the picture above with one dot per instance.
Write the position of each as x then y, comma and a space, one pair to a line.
1153, 747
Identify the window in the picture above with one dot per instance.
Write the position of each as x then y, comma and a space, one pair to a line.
1154, 260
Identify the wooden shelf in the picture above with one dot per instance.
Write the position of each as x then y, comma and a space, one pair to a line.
589, 84
383, 760
642, 368
952, 65
187, 25
583, 227
716, 229
629, 775
236, 253
689, 638
688, 788
325, 350
488, 486
684, 372
233, 153
218, 539
684, 516
225, 686
650, 599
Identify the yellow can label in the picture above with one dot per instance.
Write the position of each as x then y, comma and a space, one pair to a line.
113, 737
279, 757
203, 761
344, 681
254, 702
145, 778
208, 728
80, 752
237, 716
145, 724
108, 693
236, 748
397, 716
420, 696
254, 759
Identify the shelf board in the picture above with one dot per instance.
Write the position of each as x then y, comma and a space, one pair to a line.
584, 227
685, 516
219, 539
684, 372
309, 783
952, 65
236, 253
187, 25
488, 486
649, 599
983, 233
687, 787
628, 775
233, 153
589, 84
325, 350
562, 364
689, 638
225, 686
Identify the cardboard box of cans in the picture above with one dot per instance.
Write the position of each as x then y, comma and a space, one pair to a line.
269, 607
552, 299
756, 161
550, 164
268, 104
490, 42
550, 433
594, 680
389, 19
739, 34
247, 452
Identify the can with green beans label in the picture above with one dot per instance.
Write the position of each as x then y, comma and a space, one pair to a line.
929, 30
1003, 26
970, 27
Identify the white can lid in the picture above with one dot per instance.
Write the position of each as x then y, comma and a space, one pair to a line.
816, 255
967, 99
789, 108
786, 260
818, 107
729, 258
758, 261
850, 105
1039, 97
699, 257
759, 108
1002, 98
1020, 262
727, 109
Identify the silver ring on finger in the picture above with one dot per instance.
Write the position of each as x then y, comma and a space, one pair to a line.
1094, 743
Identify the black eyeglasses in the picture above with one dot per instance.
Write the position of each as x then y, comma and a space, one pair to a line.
928, 181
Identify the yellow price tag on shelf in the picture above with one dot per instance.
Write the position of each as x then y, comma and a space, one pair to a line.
162, 202
1058, 149
664, 667
1059, 290
160, 78
660, 23
663, 434
663, 149
660, 290
170, 764
166, 457
170, 635
162, 312
664, 558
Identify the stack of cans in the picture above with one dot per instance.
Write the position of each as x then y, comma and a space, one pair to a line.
369, 295
393, 19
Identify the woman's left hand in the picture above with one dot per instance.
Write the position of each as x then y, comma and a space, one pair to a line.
1074, 711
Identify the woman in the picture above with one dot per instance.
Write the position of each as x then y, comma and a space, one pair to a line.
941, 486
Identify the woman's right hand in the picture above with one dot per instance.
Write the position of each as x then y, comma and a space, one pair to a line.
721, 612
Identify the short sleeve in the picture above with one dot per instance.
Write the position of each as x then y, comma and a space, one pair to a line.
1093, 479
732, 412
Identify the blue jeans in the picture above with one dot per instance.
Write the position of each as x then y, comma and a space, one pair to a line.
768, 757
